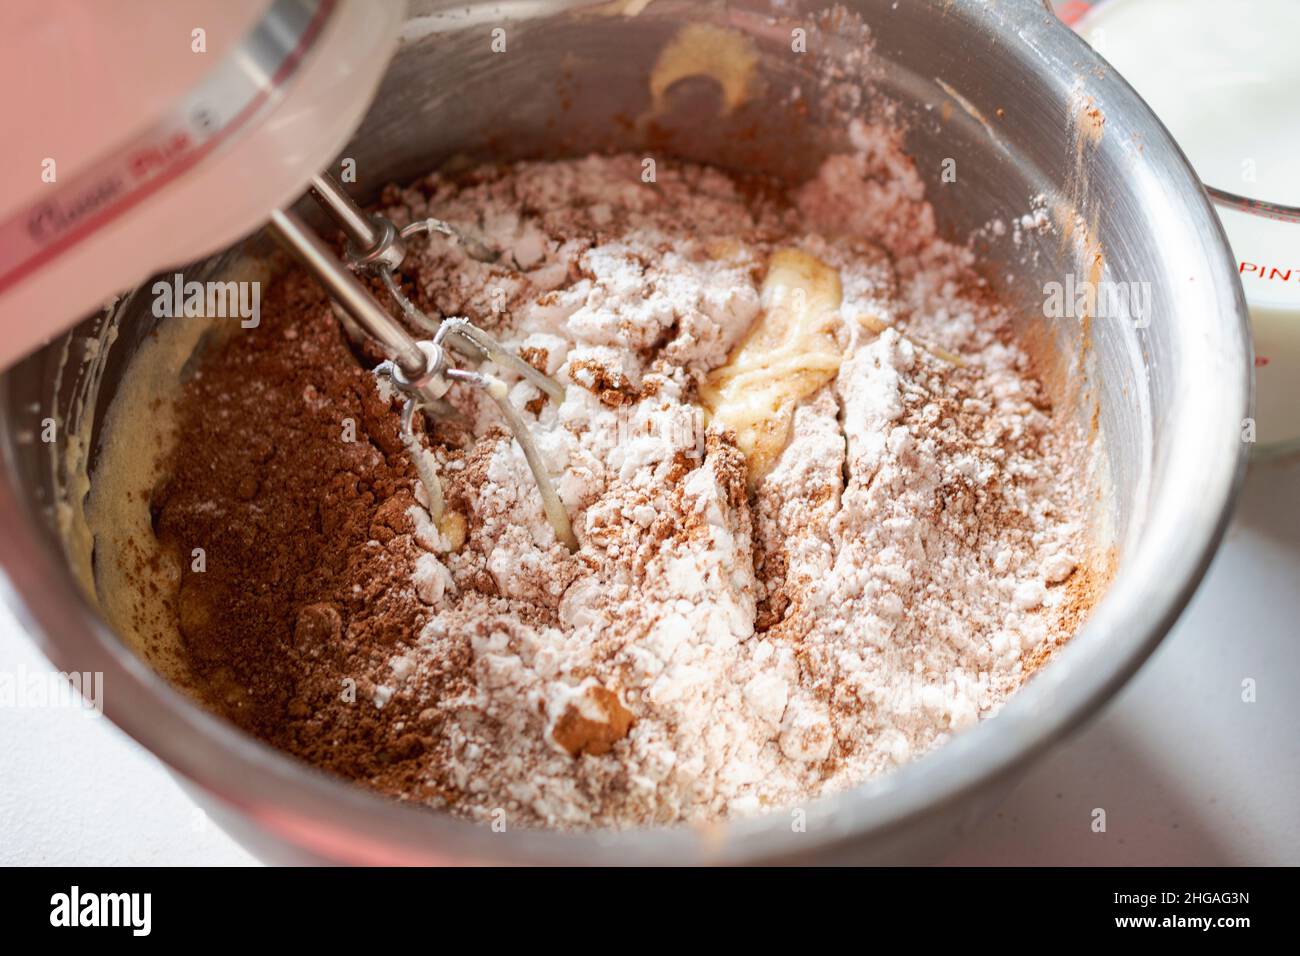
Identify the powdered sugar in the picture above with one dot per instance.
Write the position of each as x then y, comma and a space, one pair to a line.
714, 649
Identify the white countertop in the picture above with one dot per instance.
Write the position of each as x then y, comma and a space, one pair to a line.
1187, 772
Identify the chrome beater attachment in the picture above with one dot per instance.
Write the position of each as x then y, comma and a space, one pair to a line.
421, 369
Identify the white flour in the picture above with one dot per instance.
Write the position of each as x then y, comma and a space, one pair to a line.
909, 559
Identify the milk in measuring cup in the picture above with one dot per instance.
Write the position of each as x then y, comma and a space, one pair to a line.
1224, 78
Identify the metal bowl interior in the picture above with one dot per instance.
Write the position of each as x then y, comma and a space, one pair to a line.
994, 87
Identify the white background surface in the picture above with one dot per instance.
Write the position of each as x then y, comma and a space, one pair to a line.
1187, 772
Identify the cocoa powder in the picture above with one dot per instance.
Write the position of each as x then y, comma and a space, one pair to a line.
290, 475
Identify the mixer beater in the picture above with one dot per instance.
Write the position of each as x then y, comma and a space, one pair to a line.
422, 369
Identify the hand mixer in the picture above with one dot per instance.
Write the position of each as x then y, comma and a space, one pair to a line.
187, 122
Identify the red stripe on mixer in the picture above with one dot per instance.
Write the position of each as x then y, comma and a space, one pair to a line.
126, 178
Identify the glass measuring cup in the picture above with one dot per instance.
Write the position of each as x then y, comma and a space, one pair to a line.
1222, 79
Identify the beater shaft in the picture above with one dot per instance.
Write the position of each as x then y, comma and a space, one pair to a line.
350, 294
373, 240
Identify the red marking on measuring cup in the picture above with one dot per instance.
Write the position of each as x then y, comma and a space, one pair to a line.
1073, 10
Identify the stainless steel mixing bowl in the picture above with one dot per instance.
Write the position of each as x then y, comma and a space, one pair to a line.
996, 86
